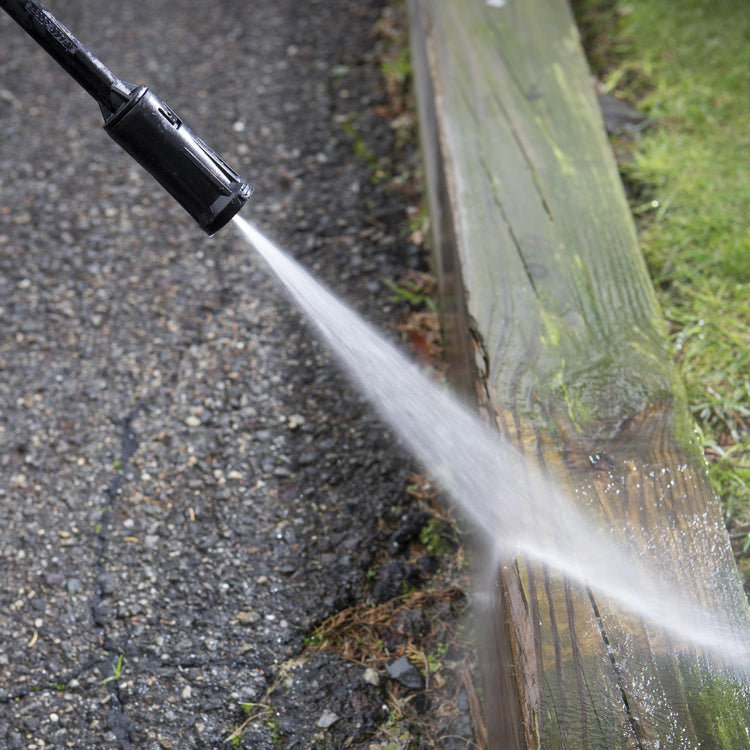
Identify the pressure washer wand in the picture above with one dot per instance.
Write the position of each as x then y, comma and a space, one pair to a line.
142, 124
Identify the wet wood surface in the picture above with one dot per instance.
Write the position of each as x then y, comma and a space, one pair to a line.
548, 304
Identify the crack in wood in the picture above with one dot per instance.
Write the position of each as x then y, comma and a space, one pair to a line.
616, 667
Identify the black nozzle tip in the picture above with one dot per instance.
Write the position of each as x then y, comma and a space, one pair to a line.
225, 208
204, 185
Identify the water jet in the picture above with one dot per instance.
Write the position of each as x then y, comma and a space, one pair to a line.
516, 509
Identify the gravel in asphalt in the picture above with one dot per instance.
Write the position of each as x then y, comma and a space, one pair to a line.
187, 483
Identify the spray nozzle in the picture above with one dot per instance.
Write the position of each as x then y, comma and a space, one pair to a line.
206, 187
147, 128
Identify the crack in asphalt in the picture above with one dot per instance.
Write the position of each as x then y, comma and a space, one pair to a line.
118, 721
112, 493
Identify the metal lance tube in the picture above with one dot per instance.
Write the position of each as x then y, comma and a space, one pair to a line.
142, 124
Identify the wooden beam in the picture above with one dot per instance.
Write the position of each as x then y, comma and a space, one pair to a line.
549, 305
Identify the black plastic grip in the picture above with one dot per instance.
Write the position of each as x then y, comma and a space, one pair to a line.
202, 183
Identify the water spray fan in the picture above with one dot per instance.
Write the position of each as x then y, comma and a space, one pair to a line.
142, 124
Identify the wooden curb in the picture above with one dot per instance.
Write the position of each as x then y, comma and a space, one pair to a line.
552, 322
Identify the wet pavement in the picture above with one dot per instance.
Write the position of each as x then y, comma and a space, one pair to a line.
187, 483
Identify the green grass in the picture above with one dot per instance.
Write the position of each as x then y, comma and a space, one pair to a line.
687, 65
117, 669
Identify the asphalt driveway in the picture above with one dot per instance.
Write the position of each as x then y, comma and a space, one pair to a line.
186, 481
